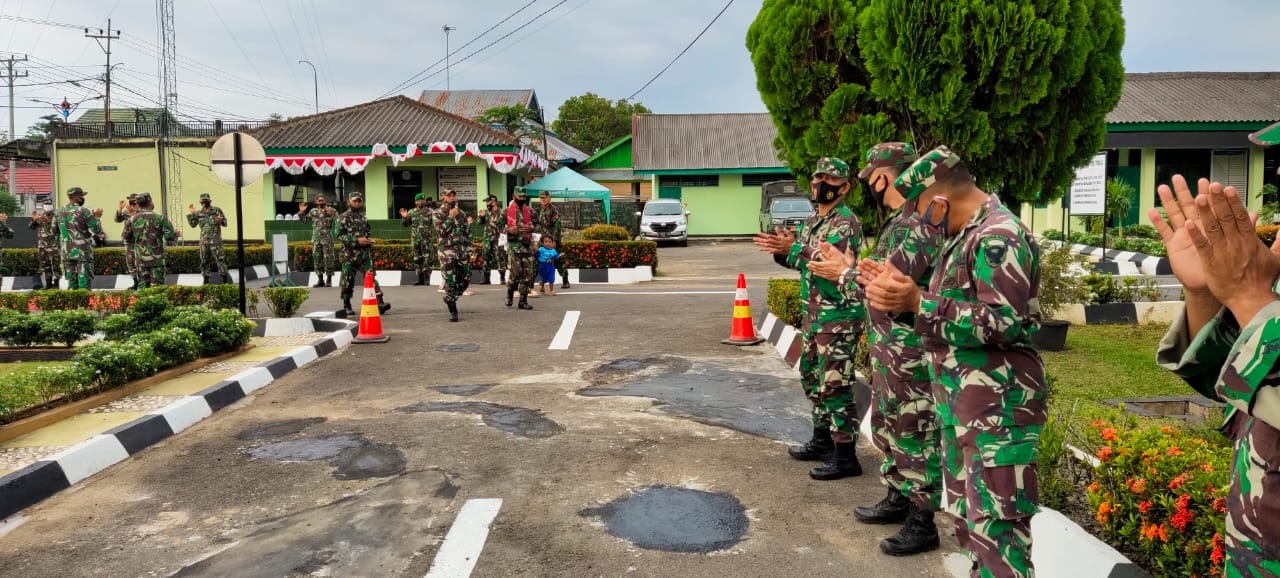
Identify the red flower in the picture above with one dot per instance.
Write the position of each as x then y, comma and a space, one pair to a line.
1166, 430
1174, 451
1098, 423
1137, 486
1183, 501
1220, 504
1177, 482
1217, 556
1181, 519
1104, 512
1105, 453
1108, 434
1207, 467
1144, 506
1093, 488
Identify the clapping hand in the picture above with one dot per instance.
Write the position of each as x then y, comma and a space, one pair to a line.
302, 207
1181, 209
893, 292
404, 212
779, 242
97, 213
191, 208
1237, 267
831, 262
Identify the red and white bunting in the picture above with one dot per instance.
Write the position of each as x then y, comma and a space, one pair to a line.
326, 165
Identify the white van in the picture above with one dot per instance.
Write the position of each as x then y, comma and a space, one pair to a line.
665, 220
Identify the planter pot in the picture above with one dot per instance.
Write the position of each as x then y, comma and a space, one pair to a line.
1052, 335
1111, 314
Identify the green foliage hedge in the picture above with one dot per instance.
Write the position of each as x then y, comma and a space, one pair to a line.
110, 260
107, 302
605, 233
784, 301
607, 254
285, 301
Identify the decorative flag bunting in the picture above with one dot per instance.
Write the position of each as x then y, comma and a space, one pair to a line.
326, 165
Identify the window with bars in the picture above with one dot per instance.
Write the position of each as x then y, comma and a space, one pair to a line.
1231, 168
689, 181
758, 180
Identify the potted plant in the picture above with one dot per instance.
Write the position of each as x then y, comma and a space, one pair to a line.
1061, 285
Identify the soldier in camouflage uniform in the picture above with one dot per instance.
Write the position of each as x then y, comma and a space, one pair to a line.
1226, 345
6, 232
494, 224
455, 251
124, 210
149, 232
211, 220
421, 223
520, 251
832, 326
79, 230
977, 317
548, 223
44, 223
324, 226
356, 237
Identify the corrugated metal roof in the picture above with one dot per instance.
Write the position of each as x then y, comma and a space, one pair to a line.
397, 120
1198, 97
32, 178
600, 175
473, 103
704, 141
561, 151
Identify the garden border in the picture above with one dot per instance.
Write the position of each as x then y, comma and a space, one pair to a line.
1126, 263
32, 484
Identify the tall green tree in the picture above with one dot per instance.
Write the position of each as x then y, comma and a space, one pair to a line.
1020, 88
518, 120
42, 130
592, 122
8, 201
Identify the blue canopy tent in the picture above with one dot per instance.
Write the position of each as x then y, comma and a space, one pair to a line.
567, 184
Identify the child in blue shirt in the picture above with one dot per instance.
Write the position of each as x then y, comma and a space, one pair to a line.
547, 256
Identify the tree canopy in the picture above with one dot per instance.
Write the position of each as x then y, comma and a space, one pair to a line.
42, 130
1019, 88
517, 120
591, 122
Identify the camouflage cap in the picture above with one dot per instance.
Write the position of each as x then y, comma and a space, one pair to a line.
449, 192
356, 196
520, 191
897, 155
144, 198
832, 166
205, 197
491, 198
420, 196
133, 196
76, 192
926, 171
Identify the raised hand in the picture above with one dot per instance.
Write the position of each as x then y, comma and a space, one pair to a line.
894, 292
404, 212
302, 207
1238, 268
1181, 208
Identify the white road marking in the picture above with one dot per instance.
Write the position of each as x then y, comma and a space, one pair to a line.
462, 545
565, 334
648, 293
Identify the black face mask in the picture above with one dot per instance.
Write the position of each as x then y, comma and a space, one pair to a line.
521, 202
79, 201
206, 203
878, 188
827, 193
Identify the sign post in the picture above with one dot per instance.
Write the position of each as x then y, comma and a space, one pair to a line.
238, 160
1089, 193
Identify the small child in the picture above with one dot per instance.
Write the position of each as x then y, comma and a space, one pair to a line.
547, 256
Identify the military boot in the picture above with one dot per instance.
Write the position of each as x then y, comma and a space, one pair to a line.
319, 280
453, 310
817, 448
485, 278
422, 280
347, 310
328, 280
383, 306
919, 534
892, 509
524, 302
510, 295
502, 276
843, 463
36, 284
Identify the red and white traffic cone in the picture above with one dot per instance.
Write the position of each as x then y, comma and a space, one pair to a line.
742, 331
370, 317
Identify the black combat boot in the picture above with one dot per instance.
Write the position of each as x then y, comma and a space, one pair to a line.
919, 534
565, 285
524, 302
485, 278
328, 280
818, 448
319, 280
502, 276
892, 509
510, 295
453, 310
37, 285
843, 463
347, 310
383, 306
422, 280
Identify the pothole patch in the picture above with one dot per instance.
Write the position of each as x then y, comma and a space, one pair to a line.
458, 348
673, 519
521, 421
279, 428
464, 390
352, 456
629, 369
305, 449
368, 461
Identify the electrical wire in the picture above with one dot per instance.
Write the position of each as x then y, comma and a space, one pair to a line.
686, 49
288, 65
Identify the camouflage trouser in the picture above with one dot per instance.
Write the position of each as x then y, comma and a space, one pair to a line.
422, 258
1253, 503
48, 261
131, 261
353, 269
521, 270
457, 277
79, 274
993, 491
561, 268
495, 257
324, 259
212, 253
150, 273
827, 374
433, 256
905, 429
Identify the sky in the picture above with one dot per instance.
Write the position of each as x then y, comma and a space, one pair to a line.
239, 58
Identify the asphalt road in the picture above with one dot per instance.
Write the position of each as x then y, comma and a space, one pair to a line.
645, 447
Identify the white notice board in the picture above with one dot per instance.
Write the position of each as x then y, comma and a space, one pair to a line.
461, 179
1089, 191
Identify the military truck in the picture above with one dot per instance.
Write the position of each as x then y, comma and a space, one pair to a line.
783, 204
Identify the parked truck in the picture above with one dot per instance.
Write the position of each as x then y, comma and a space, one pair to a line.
783, 204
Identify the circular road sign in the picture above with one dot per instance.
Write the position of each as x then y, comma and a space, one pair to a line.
252, 162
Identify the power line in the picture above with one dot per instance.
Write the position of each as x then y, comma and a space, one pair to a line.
324, 51
26, 20
686, 49
236, 40
526, 36
409, 82
287, 61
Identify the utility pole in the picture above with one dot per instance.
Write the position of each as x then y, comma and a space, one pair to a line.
10, 75
99, 37
315, 80
447, 29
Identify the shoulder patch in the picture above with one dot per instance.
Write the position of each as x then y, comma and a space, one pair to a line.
994, 251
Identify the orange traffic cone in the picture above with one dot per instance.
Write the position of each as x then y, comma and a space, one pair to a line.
742, 332
370, 317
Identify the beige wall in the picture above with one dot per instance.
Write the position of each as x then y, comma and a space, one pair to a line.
624, 189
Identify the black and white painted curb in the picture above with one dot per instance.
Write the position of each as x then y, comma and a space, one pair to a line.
1062, 547
34, 483
1125, 263
611, 276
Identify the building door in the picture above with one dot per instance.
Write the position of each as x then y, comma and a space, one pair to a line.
1132, 175
405, 185
670, 193
1231, 168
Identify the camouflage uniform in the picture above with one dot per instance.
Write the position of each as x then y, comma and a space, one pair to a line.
356, 258
520, 252
48, 262
455, 253
494, 224
122, 216
79, 230
149, 232
324, 225
977, 318
421, 223
547, 223
1241, 367
211, 220
6, 232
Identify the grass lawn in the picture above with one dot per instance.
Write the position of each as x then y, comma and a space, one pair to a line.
20, 368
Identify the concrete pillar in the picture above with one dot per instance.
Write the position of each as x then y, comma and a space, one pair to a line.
1147, 192
1257, 177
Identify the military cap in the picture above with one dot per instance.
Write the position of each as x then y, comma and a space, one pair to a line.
520, 191
205, 197
356, 196
546, 194
144, 198
491, 198
926, 171
133, 196
76, 192
832, 166
448, 192
419, 196
897, 155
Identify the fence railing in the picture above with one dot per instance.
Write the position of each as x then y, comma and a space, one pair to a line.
197, 129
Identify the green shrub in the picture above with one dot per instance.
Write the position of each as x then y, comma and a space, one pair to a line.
149, 313
219, 331
110, 260
116, 326
285, 301
44, 384
1059, 284
66, 327
784, 301
173, 345
15, 301
61, 299
1053, 235
1104, 288
19, 329
1142, 232
115, 363
605, 233
606, 254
